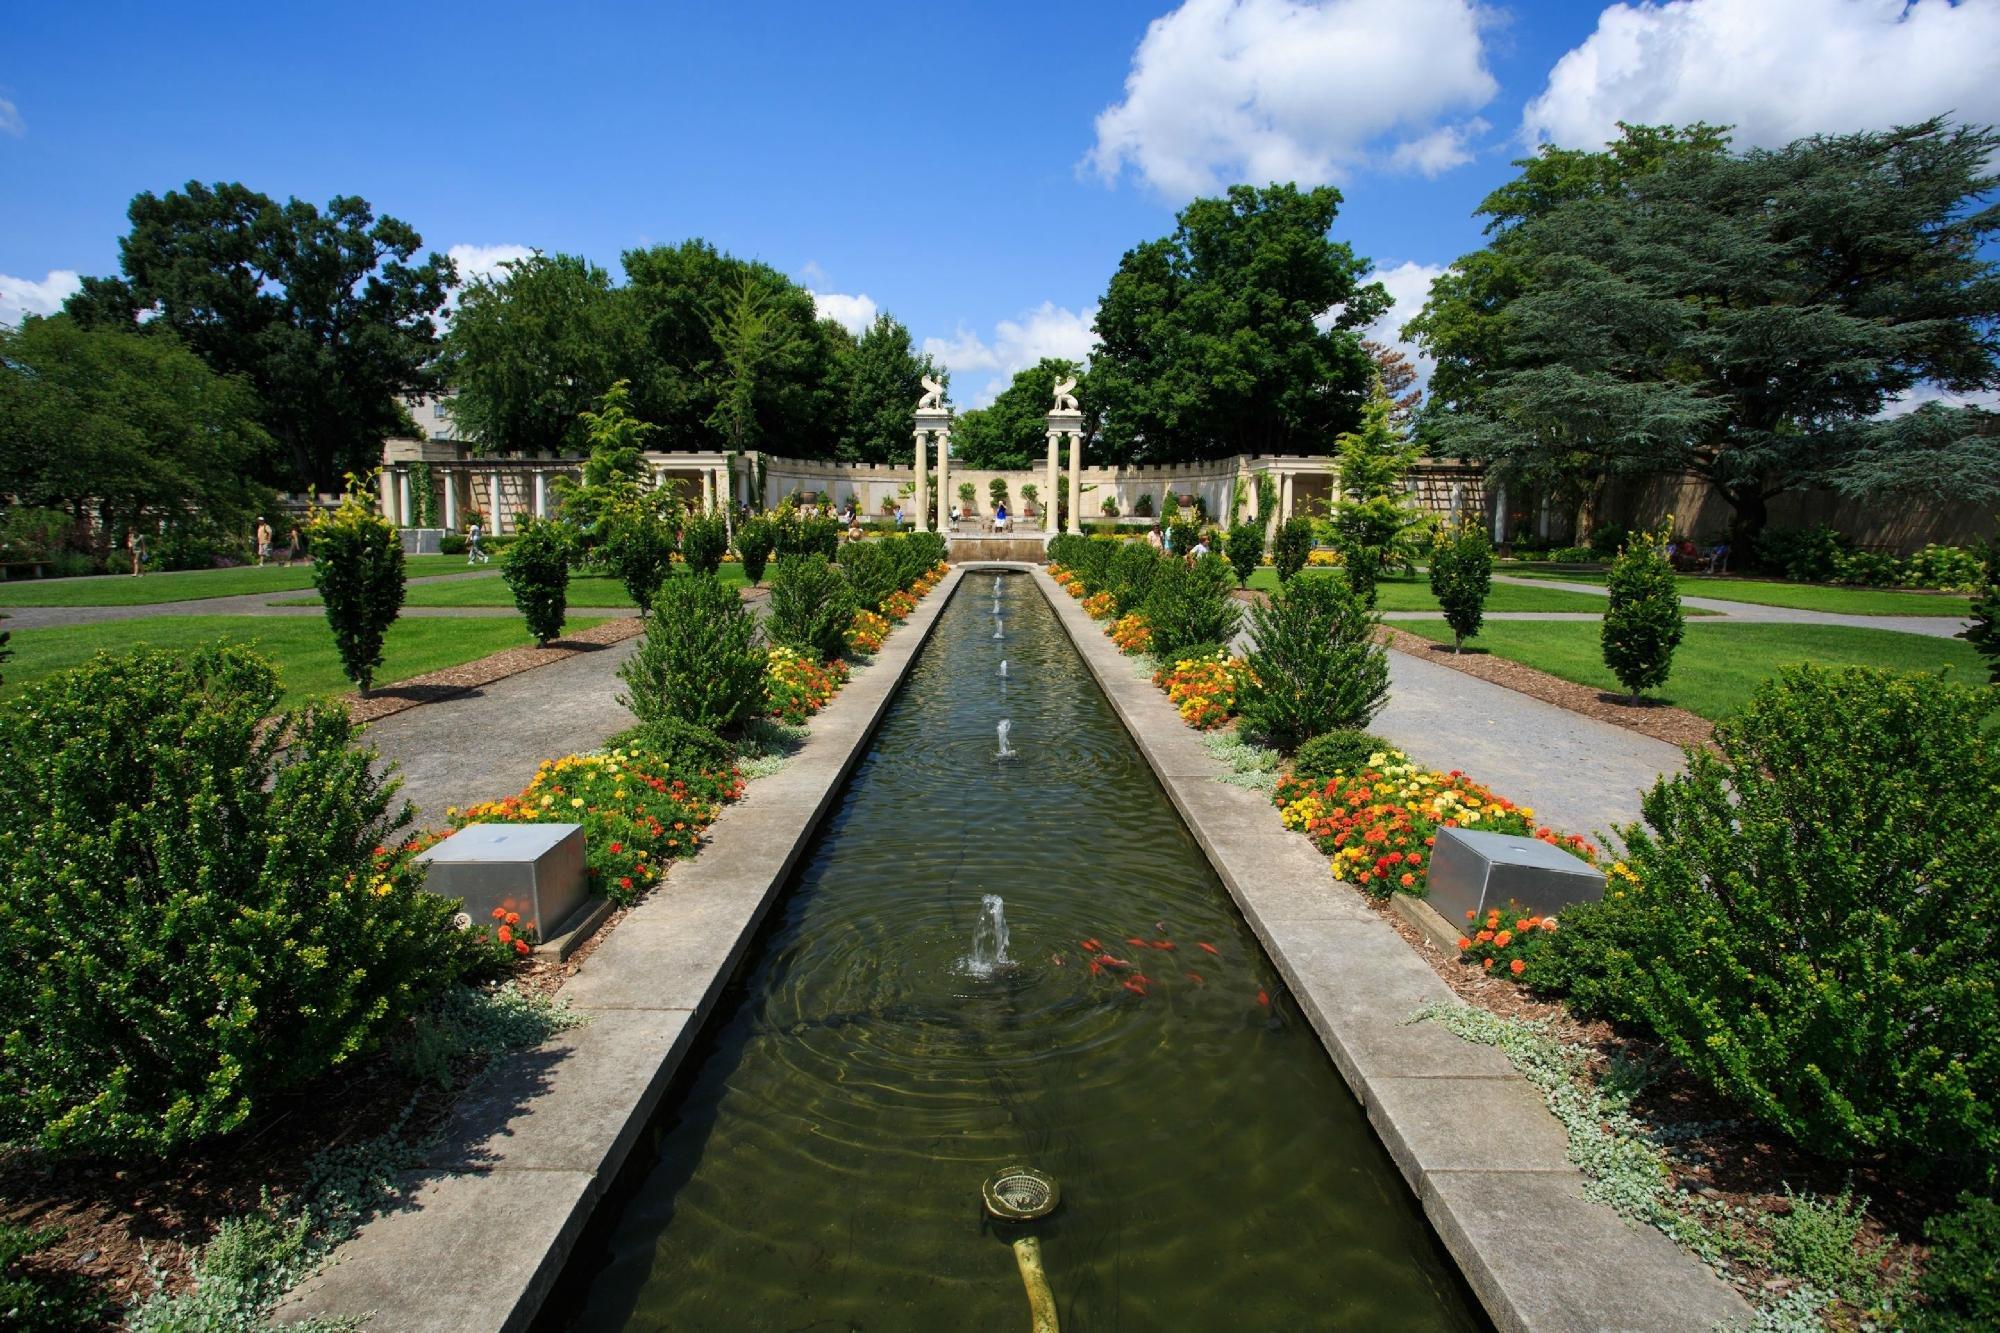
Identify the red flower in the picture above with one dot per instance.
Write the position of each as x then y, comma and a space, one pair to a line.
1517, 967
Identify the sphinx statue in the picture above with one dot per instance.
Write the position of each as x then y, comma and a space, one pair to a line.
933, 399
1065, 395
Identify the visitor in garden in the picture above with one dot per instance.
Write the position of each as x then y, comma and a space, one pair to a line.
1000, 517
297, 545
1718, 559
136, 544
263, 540
475, 554
1200, 547
1153, 539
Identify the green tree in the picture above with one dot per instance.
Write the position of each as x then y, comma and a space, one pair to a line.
699, 664
753, 338
531, 350
882, 378
615, 474
1983, 632
1291, 546
1746, 318
1461, 577
358, 569
536, 568
1317, 665
1399, 381
1012, 431
1211, 342
1246, 548
1377, 521
324, 313
1643, 624
132, 430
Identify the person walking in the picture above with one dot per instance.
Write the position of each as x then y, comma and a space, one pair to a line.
263, 540
475, 554
136, 544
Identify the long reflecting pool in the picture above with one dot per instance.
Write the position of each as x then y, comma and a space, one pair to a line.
821, 1167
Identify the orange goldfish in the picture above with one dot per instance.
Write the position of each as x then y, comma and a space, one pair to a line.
1203, 944
1195, 977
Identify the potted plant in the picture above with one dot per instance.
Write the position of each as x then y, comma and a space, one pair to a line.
1143, 506
1111, 506
1029, 494
967, 493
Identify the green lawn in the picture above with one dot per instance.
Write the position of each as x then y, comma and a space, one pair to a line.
188, 585
1803, 596
1718, 665
301, 646
1413, 593
584, 590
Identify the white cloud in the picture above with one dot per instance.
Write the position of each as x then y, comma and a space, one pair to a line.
484, 261
1047, 330
813, 274
853, 313
1225, 91
1912, 399
10, 119
20, 297
1409, 286
1777, 70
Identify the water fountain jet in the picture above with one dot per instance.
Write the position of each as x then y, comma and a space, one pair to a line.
989, 937
1006, 726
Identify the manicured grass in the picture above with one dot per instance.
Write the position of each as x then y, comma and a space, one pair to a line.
584, 590
1718, 665
301, 646
188, 585
1802, 596
1413, 593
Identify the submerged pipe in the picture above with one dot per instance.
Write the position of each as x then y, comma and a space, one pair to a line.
1041, 1300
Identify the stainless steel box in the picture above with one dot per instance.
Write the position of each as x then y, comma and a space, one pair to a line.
1472, 871
534, 869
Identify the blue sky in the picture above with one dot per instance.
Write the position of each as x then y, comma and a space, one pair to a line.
974, 169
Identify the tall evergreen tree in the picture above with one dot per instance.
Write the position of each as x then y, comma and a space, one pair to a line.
882, 378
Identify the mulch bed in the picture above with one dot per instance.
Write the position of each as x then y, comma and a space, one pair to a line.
454, 681
1663, 722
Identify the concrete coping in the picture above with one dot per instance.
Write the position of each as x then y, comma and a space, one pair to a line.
527, 1154
1472, 1138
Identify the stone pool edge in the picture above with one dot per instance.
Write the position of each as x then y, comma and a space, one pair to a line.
1471, 1137
488, 1224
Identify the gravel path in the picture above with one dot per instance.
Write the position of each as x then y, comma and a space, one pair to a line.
487, 744
1937, 627
1579, 774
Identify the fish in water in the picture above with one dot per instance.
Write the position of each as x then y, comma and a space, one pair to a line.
1195, 977
1135, 941
1163, 944
1109, 961
1056, 958
1264, 999
1135, 988
1204, 944
1096, 971
1092, 945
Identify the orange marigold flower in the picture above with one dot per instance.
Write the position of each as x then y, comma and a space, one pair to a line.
1503, 939
1517, 967
505, 934
520, 946
1489, 965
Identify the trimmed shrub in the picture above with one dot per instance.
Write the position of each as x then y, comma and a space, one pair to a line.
1811, 920
871, 572
801, 535
811, 607
1461, 578
1643, 623
1290, 547
683, 746
903, 559
1181, 536
1983, 633
1093, 564
1189, 605
1316, 663
358, 569
1951, 568
1063, 548
756, 538
199, 913
1608, 540
699, 662
452, 543
1360, 566
1342, 750
1133, 567
638, 548
1804, 555
1246, 550
1197, 652
536, 568
704, 541
1961, 1282
928, 548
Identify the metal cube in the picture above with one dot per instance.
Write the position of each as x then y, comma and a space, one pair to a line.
534, 869
1472, 871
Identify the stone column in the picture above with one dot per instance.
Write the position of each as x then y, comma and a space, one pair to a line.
1285, 498
1075, 482
1053, 482
451, 502
707, 491
541, 494
1500, 515
493, 490
402, 498
921, 501
387, 482
944, 483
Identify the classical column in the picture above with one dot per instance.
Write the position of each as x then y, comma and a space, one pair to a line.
402, 498
1075, 481
493, 489
1285, 498
541, 494
388, 484
1500, 515
451, 502
944, 482
921, 501
1054, 481
707, 491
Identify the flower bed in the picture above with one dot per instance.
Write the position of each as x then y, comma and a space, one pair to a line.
1507, 944
1204, 690
866, 632
1378, 825
796, 688
897, 606
1067, 581
637, 812
1132, 634
1100, 606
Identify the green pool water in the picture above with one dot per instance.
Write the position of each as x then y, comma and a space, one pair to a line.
820, 1166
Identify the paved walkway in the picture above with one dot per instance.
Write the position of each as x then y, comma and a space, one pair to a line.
487, 744
1937, 627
